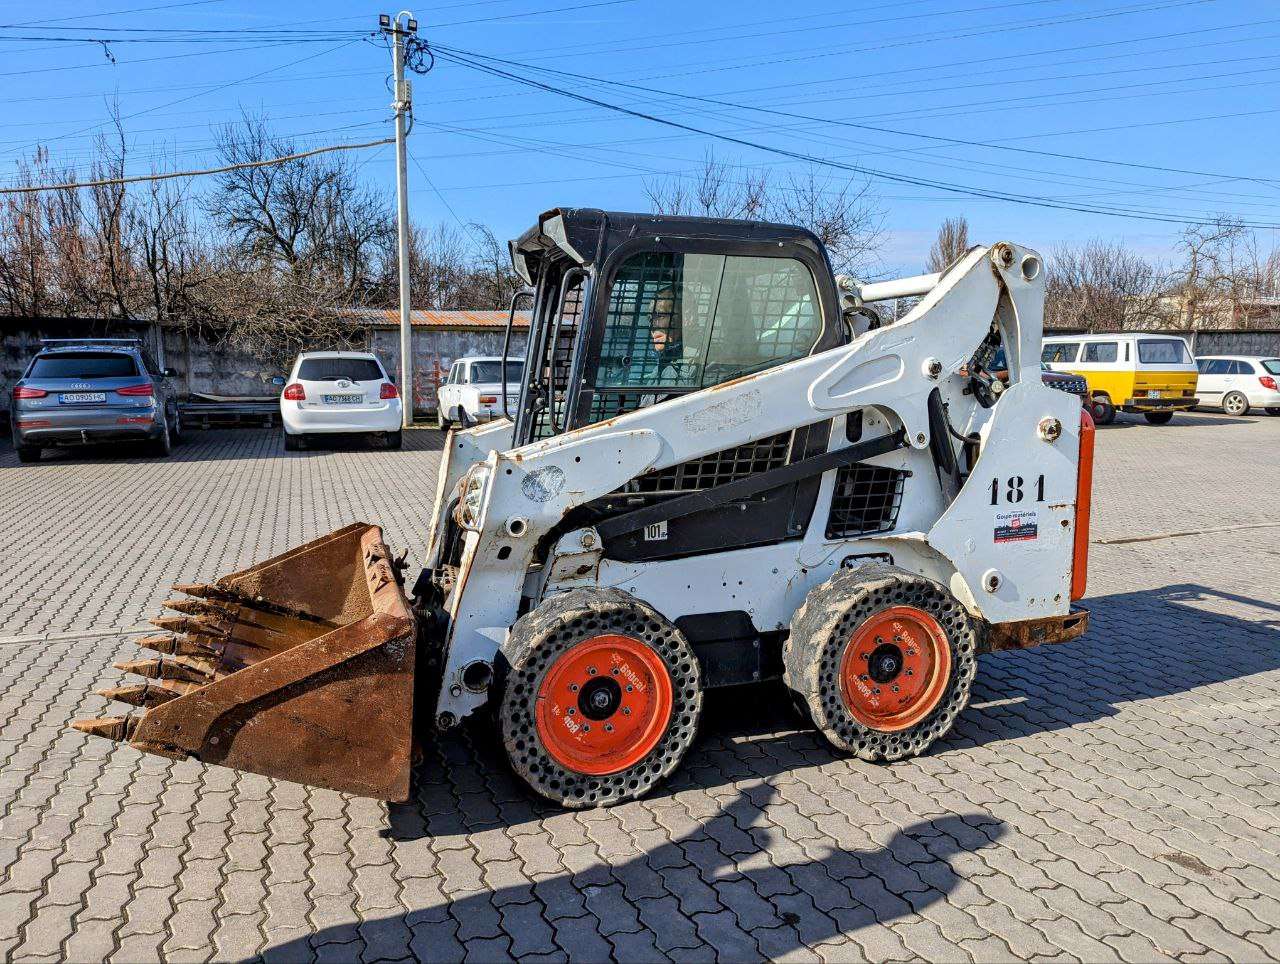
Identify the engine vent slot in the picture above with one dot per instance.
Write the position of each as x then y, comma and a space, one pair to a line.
866, 500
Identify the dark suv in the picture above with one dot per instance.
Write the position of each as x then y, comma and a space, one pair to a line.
87, 391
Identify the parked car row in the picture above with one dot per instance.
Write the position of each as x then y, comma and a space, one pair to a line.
1155, 376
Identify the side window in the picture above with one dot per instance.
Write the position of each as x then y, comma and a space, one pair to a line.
1218, 366
464, 374
1203, 365
150, 363
1243, 368
695, 320
1059, 352
1101, 352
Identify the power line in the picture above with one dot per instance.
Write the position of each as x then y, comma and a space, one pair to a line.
881, 130
114, 13
170, 175
949, 187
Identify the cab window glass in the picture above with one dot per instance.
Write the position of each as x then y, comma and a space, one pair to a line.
1163, 351
695, 320
1103, 352
1062, 351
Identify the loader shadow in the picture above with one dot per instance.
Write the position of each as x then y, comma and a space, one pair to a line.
851, 894
1140, 646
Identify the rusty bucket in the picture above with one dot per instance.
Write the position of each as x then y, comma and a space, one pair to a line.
299, 668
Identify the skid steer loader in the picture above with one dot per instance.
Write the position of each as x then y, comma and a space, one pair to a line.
720, 469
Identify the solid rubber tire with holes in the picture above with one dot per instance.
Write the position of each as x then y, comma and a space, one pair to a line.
1235, 403
1103, 412
535, 647
395, 439
29, 453
826, 625
1158, 418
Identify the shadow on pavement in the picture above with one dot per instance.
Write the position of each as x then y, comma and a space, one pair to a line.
219, 445
1141, 645
918, 858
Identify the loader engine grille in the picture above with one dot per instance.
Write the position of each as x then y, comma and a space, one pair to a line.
717, 468
866, 500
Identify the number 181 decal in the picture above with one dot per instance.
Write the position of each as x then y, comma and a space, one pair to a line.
1014, 489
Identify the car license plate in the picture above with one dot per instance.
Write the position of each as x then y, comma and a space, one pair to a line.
342, 399
1155, 395
72, 398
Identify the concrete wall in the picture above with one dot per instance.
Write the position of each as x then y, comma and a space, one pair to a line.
434, 352
1228, 342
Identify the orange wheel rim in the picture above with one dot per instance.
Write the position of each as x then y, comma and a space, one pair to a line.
603, 705
895, 669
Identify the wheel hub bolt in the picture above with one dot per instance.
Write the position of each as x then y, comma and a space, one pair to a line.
626, 711
573, 687
616, 671
572, 711
586, 727
608, 727
591, 671
600, 699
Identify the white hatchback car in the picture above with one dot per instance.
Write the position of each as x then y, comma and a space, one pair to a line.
339, 393
1237, 383
472, 391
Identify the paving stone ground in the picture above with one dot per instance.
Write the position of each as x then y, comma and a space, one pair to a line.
1115, 798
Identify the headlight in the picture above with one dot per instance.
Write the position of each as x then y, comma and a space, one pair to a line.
470, 492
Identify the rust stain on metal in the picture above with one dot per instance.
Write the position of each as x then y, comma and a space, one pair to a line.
299, 668
1035, 632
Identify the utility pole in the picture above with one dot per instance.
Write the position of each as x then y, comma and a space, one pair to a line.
399, 29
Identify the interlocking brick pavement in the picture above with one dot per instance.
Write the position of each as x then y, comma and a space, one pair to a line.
1117, 798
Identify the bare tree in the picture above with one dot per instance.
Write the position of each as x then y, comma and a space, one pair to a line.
842, 213
1103, 286
950, 245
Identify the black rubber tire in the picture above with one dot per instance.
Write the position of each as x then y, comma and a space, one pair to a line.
29, 453
441, 422
1103, 412
1158, 418
175, 428
465, 420
162, 447
823, 627
395, 440
549, 631
1236, 401
292, 443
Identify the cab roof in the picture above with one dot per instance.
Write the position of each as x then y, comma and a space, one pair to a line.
587, 235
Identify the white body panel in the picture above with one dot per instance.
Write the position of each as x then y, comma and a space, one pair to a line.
1024, 481
480, 400
339, 405
1245, 374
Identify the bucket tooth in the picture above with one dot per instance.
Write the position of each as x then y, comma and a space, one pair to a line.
176, 646
197, 607
141, 694
119, 728
191, 624
180, 668
200, 590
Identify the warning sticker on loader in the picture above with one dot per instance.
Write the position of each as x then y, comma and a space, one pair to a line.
1017, 526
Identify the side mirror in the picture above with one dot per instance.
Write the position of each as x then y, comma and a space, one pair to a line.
168, 373
278, 380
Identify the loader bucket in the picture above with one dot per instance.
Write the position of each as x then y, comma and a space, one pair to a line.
300, 668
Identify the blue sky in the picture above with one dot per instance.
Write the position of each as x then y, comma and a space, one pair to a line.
1189, 85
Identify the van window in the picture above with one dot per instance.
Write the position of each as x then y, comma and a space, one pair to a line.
84, 364
1163, 351
1062, 351
1103, 352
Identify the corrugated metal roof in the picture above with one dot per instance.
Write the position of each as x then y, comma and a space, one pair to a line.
419, 318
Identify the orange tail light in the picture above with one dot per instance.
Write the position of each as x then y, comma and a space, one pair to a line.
1084, 503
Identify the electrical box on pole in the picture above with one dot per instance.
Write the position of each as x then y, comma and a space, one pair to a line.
403, 26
